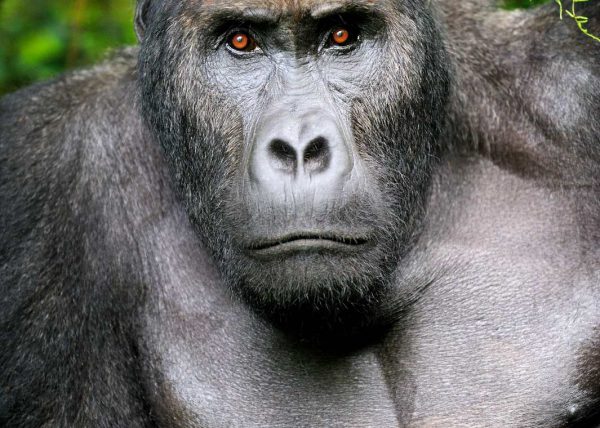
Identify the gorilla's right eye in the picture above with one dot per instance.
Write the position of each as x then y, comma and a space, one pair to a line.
241, 42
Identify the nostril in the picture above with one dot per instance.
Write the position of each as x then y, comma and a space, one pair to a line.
315, 149
283, 150
316, 155
283, 154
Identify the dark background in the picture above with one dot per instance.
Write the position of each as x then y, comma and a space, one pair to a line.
41, 38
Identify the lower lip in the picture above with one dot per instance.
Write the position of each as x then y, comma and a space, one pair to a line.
303, 246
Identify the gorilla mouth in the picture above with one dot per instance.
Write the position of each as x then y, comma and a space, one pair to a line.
306, 242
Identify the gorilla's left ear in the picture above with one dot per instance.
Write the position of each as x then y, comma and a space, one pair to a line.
143, 14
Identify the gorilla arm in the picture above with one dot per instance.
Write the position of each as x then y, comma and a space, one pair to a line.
68, 356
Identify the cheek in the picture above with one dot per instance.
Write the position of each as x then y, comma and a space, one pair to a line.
350, 74
378, 84
240, 82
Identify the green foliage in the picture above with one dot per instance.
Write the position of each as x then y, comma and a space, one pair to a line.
522, 4
41, 38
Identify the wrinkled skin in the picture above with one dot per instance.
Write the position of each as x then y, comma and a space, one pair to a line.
400, 230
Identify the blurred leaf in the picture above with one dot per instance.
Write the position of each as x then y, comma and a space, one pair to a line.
40, 47
41, 38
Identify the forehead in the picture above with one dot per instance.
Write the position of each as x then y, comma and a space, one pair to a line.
291, 8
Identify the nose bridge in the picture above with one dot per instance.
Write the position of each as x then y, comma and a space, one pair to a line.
296, 107
299, 81
299, 107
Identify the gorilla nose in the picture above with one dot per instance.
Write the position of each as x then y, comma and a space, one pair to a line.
313, 157
303, 149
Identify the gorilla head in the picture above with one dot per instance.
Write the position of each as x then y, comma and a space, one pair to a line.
301, 135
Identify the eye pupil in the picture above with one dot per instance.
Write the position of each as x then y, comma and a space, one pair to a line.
340, 36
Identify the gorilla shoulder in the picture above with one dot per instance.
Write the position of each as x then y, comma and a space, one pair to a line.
31, 113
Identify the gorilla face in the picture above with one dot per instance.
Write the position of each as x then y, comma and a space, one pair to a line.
301, 137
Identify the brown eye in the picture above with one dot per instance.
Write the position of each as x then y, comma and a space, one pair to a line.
340, 36
242, 42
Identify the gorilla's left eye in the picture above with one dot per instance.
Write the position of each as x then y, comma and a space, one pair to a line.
342, 37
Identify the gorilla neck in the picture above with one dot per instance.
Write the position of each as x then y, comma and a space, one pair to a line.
336, 322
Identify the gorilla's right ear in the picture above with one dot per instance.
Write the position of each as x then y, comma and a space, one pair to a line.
143, 15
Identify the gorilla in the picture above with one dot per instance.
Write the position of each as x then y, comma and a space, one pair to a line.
357, 213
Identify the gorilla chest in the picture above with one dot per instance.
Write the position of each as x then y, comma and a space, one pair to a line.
262, 382
465, 366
